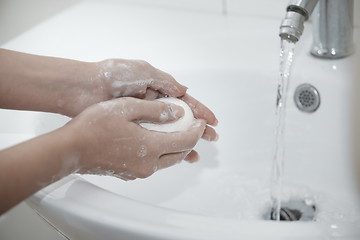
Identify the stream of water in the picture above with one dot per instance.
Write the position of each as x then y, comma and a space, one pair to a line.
286, 59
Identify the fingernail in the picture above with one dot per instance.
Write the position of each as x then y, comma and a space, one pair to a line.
176, 111
195, 159
206, 137
209, 138
216, 122
216, 138
192, 158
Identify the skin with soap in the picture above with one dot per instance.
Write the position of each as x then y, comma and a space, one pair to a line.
132, 142
181, 124
106, 100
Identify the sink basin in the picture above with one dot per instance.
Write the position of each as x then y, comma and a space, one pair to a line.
227, 194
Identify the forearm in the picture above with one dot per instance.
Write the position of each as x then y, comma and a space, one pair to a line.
32, 165
38, 83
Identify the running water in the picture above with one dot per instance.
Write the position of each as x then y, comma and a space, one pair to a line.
286, 58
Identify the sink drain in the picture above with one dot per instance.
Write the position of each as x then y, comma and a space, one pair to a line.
295, 210
307, 98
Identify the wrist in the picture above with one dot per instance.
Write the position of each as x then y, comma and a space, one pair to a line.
77, 146
82, 87
47, 84
71, 150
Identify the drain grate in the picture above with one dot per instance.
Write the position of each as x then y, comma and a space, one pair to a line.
307, 98
294, 210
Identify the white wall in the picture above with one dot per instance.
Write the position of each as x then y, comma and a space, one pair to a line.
17, 16
269, 8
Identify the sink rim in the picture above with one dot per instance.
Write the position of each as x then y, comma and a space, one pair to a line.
59, 203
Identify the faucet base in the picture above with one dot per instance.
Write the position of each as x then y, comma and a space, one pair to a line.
330, 53
333, 36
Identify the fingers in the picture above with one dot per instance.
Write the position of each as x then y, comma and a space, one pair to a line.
178, 146
200, 110
154, 111
167, 85
168, 160
192, 157
152, 94
210, 134
181, 141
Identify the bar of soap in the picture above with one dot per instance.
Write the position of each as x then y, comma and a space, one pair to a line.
182, 124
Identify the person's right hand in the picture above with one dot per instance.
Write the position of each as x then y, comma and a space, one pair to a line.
111, 142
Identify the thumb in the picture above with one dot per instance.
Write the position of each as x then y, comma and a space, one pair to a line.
155, 112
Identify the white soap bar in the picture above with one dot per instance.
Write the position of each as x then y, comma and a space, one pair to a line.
182, 124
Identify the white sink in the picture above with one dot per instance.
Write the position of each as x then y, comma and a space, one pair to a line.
226, 194
233, 69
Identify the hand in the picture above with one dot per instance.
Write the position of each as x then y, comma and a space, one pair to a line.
114, 78
202, 112
68, 87
112, 143
137, 78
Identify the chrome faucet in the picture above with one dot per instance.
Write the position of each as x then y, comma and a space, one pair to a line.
332, 25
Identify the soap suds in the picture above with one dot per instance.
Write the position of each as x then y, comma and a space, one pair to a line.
142, 151
113, 107
164, 116
125, 78
107, 74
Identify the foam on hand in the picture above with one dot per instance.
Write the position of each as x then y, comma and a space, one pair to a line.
182, 124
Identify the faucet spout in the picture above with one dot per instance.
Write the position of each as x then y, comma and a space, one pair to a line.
332, 26
297, 12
